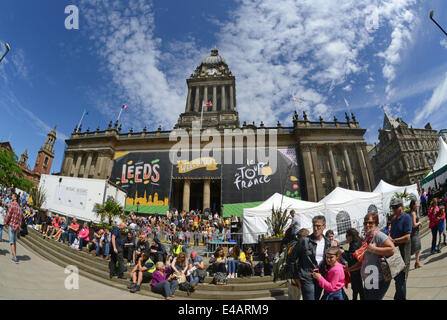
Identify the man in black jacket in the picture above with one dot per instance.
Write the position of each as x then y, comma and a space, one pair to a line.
307, 255
158, 251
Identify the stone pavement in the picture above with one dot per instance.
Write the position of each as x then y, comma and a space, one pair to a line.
36, 278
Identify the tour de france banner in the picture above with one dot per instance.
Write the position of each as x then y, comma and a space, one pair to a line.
146, 176
197, 167
248, 185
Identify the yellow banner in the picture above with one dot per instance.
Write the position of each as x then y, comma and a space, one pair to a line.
187, 166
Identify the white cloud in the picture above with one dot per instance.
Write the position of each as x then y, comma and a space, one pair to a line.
273, 48
443, 43
348, 88
437, 100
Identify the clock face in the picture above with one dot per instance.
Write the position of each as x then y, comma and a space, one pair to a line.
211, 71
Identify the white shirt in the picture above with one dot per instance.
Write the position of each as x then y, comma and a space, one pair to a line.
319, 254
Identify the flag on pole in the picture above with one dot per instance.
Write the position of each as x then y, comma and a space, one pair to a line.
125, 107
207, 104
346, 102
297, 99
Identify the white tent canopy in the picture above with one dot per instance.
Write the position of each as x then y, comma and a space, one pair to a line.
439, 172
255, 219
388, 191
346, 209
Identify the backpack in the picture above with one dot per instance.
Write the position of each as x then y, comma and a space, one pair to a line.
186, 286
219, 279
281, 269
201, 274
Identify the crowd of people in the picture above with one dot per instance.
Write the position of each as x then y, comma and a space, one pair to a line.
318, 265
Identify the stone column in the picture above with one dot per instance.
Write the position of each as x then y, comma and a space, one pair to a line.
206, 194
317, 174
98, 166
205, 94
69, 167
223, 99
348, 167
109, 167
308, 173
188, 100
333, 168
369, 168
362, 168
214, 98
78, 165
231, 98
87, 165
186, 195
196, 100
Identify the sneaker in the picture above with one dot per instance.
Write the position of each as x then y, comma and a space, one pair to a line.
262, 274
15, 261
131, 285
135, 289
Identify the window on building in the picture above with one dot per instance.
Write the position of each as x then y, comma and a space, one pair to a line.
343, 222
321, 162
45, 161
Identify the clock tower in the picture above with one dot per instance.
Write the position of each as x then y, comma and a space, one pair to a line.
45, 156
213, 88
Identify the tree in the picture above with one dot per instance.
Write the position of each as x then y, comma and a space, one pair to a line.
111, 208
10, 171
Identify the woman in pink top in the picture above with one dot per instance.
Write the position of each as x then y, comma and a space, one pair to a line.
84, 236
334, 280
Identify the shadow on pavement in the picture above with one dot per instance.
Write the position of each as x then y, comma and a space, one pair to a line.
440, 257
3, 252
23, 258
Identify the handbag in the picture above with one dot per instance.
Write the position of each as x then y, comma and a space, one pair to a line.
392, 266
180, 277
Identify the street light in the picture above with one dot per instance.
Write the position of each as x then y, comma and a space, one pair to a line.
7, 50
431, 17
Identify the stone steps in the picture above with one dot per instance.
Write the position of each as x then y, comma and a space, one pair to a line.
96, 268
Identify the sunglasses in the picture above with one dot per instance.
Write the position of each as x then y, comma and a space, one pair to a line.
368, 223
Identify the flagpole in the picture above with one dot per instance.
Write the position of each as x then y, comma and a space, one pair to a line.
119, 116
82, 118
201, 116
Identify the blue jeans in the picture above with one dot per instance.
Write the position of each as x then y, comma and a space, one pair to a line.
71, 238
401, 286
337, 295
434, 233
12, 235
268, 267
82, 242
63, 236
377, 294
310, 290
166, 288
193, 280
232, 266
1, 232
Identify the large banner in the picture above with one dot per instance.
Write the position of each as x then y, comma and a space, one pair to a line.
249, 184
146, 176
70, 197
196, 168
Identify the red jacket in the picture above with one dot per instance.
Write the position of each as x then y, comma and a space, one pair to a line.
432, 215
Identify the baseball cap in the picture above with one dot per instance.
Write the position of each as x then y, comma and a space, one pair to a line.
396, 202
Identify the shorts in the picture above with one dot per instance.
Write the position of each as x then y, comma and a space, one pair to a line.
12, 235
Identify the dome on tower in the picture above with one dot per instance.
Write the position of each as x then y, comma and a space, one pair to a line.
214, 59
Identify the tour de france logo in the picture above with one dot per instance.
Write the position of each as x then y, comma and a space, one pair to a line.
205, 162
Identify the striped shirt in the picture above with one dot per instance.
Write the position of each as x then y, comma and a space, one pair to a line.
14, 216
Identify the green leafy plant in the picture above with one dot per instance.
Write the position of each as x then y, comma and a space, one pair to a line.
278, 221
39, 196
110, 209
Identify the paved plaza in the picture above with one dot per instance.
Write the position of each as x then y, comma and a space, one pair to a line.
36, 278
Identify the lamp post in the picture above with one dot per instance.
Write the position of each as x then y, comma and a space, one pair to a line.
7, 50
431, 17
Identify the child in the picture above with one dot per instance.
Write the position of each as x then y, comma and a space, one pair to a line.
441, 224
330, 235
334, 279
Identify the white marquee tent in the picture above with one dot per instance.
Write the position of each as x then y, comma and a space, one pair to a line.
388, 191
346, 209
254, 219
439, 172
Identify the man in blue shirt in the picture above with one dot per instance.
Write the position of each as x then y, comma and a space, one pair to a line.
401, 226
117, 253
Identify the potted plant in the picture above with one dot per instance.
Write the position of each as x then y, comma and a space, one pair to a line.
276, 225
110, 209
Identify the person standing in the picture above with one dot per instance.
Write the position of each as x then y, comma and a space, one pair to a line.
415, 239
295, 224
2, 218
433, 215
14, 221
355, 242
117, 253
308, 254
400, 233
423, 202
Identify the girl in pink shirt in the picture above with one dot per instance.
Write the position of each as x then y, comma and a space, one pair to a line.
334, 280
84, 236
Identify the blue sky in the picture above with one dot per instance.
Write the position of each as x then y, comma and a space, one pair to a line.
140, 53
